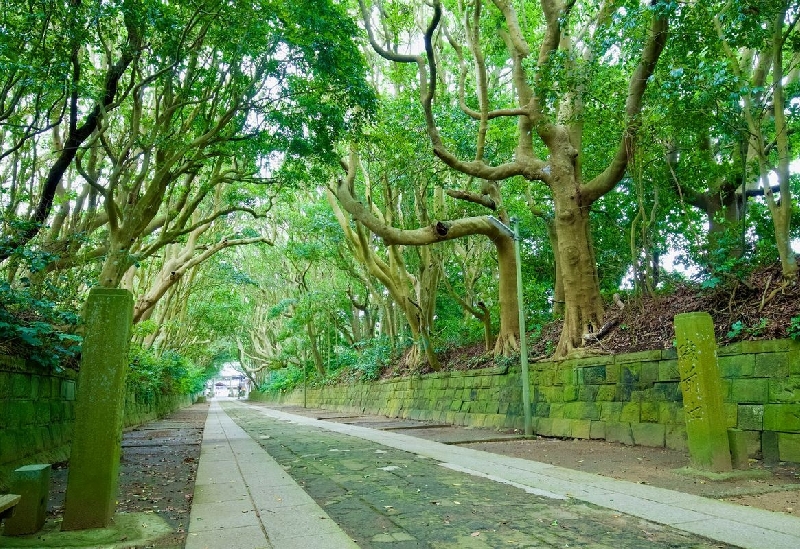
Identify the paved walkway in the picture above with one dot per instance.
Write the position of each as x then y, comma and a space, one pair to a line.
244, 499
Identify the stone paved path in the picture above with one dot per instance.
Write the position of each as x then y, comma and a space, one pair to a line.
387, 497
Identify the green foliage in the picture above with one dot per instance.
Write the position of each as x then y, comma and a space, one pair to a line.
363, 362
166, 373
794, 328
37, 329
739, 329
283, 380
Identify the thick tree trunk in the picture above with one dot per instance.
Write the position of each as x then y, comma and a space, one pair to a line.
507, 342
583, 311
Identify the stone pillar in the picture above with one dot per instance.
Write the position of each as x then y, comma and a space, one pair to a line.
32, 482
97, 434
702, 395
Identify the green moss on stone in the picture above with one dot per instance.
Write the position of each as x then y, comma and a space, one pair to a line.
597, 430
749, 391
782, 417
631, 412
775, 365
649, 434
735, 366
619, 432
750, 417
789, 447
668, 370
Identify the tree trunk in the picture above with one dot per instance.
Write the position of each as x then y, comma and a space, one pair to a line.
507, 340
583, 312
319, 364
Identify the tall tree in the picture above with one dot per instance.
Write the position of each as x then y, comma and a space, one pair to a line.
555, 92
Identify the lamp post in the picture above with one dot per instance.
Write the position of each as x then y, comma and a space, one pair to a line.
523, 341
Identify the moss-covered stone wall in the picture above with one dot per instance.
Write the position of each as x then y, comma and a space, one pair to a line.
633, 398
37, 411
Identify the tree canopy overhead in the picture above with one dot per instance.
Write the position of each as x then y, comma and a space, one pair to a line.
317, 186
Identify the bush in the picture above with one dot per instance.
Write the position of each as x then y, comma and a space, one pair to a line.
166, 373
37, 329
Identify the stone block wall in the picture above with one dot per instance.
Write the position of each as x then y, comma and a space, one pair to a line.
37, 411
633, 398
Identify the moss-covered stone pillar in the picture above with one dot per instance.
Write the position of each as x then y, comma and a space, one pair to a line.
702, 396
94, 458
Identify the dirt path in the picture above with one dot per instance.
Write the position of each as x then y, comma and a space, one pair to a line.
157, 472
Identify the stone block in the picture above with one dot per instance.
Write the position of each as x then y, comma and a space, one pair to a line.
42, 412
648, 373
752, 391
568, 376
639, 356
593, 375
9, 446
570, 393
731, 414
737, 440
669, 354
20, 386
735, 366
619, 432
794, 360
766, 345
753, 443
668, 370
770, 453
676, 438
782, 417
588, 393
597, 430
785, 389
610, 411
35, 387
750, 417
581, 428
606, 393
631, 412
32, 482
612, 373
541, 409
562, 427
582, 410
5, 385
789, 447
649, 434
544, 426
649, 411
669, 391
772, 365
68, 389
670, 413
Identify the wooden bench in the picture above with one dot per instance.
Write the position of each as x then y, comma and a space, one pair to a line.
7, 504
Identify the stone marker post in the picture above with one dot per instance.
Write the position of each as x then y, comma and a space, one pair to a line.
32, 482
702, 396
97, 434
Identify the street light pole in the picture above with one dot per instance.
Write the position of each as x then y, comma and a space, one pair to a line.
523, 341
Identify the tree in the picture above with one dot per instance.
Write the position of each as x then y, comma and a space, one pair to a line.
205, 122
554, 95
